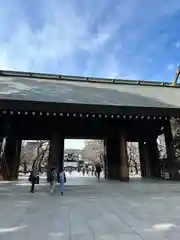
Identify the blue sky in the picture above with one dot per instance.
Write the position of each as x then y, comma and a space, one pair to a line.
132, 39
135, 39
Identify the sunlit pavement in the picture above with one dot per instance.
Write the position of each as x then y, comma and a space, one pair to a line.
90, 210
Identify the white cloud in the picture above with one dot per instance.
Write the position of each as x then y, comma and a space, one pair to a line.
66, 31
177, 44
62, 36
170, 66
55, 41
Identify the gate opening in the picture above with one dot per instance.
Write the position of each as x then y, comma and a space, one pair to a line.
133, 159
81, 156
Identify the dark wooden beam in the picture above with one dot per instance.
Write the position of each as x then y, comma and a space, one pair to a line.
19, 105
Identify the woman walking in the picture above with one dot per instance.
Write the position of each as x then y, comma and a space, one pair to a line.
54, 180
62, 178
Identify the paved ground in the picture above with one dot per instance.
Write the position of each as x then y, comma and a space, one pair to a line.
90, 210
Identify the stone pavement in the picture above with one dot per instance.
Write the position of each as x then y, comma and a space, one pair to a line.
105, 210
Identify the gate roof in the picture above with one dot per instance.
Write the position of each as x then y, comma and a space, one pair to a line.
80, 90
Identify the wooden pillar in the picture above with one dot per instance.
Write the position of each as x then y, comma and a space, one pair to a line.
1, 135
11, 158
50, 154
170, 149
17, 159
144, 160
56, 152
124, 168
117, 159
154, 158
105, 159
1, 141
113, 158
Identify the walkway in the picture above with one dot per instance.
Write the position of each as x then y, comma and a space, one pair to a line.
90, 210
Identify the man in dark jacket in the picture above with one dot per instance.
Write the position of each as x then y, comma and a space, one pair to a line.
33, 178
98, 170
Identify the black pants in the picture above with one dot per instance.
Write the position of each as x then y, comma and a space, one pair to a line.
98, 174
33, 185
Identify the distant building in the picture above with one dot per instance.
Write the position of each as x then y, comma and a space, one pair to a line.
72, 157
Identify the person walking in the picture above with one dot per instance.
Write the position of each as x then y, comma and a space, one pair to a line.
33, 178
87, 171
79, 170
98, 170
62, 178
54, 180
92, 171
49, 176
83, 171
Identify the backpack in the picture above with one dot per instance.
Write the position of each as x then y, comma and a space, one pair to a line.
34, 173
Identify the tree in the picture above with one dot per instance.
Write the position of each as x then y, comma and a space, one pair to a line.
133, 157
93, 151
36, 156
175, 127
